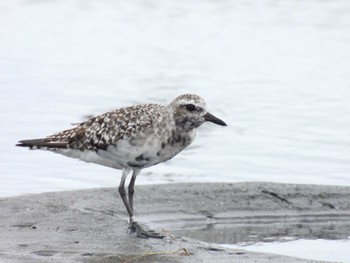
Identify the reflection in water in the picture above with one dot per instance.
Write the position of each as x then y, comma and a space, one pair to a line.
233, 231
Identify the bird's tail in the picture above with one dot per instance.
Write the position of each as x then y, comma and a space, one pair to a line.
42, 144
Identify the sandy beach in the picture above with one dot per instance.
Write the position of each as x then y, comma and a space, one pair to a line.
91, 225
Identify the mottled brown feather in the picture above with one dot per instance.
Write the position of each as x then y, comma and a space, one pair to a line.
107, 129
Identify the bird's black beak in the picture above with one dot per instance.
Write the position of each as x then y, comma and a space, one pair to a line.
212, 118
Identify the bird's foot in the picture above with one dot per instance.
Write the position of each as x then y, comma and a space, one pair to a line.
143, 231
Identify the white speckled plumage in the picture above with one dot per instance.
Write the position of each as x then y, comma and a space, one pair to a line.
132, 138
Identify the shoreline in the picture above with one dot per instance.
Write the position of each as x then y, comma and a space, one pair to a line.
91, 225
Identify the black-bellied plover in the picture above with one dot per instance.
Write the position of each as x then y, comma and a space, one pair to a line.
130, 139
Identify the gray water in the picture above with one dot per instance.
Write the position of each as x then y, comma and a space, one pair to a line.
278, 72
317, 237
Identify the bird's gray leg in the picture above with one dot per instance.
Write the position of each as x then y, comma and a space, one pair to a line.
140, 229
122, 191
131, 189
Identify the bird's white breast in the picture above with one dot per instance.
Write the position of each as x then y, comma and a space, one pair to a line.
141, 154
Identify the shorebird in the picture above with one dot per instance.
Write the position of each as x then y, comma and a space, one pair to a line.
130, 139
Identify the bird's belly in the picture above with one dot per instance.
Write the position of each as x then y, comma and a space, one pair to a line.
149, 153
127, 154
130, 154
90, 157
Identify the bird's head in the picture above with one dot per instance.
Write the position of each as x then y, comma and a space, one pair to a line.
190, 112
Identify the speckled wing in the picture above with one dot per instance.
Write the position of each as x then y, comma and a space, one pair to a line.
99, 132
107, 129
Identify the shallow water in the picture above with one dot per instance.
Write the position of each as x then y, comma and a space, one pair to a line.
276, 72
256, 229
317, 237
319, 249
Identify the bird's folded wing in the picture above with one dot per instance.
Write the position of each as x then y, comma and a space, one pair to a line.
106, 129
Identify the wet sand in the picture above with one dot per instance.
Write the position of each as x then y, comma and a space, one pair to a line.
91, 225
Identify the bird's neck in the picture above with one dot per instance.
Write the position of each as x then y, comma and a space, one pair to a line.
182, 137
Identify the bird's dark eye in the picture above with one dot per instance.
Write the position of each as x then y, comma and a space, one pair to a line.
190, 107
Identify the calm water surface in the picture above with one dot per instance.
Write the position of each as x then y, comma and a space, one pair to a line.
319, 249
278, 72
